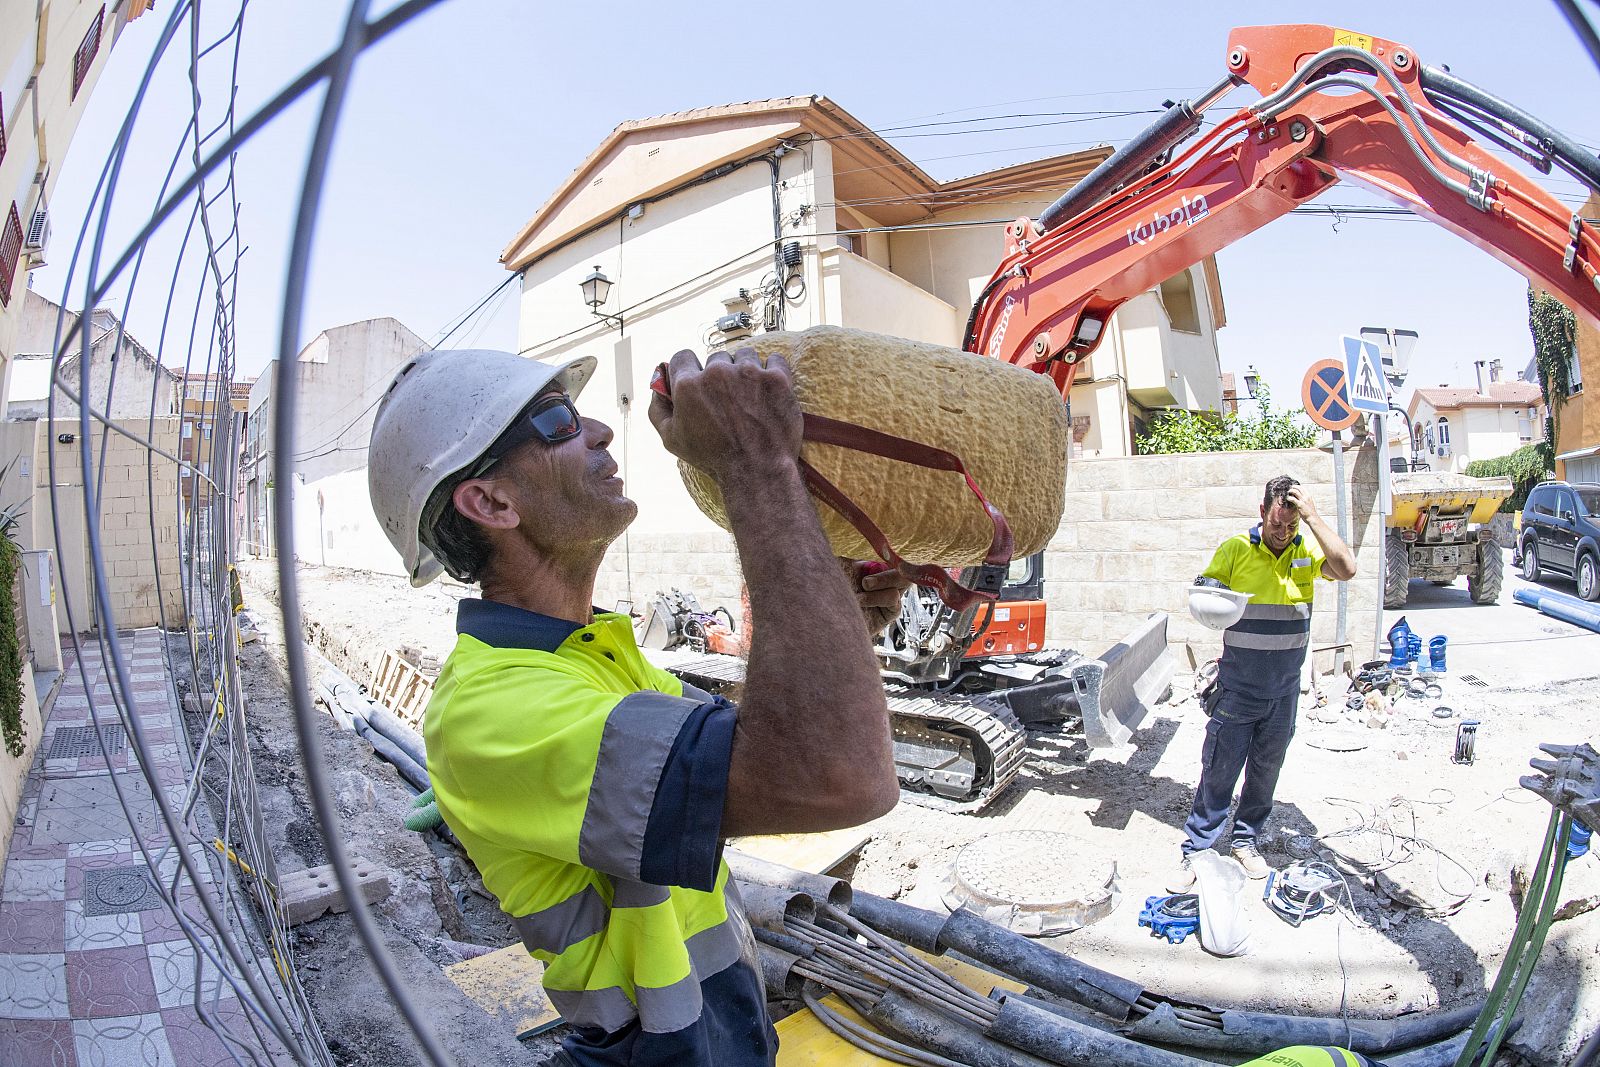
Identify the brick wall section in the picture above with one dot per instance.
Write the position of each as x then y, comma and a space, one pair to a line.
131, 551
1134, 533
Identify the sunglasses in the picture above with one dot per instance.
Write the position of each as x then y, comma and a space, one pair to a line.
551, 418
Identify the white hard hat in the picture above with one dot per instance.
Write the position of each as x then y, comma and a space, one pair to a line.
442, 411
1216, 607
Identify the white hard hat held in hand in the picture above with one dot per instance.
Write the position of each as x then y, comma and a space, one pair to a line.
442, 411
1214, 605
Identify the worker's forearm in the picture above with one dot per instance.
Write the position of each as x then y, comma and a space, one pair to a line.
1340, 562
813, 719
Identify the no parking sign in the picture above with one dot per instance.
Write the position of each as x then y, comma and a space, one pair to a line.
1326, 395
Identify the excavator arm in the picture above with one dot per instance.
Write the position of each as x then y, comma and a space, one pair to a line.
1335, 106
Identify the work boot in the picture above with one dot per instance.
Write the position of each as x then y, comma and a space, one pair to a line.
1254, 866
1182, 879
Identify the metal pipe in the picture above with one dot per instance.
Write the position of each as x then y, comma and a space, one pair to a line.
755, 871
1175, 125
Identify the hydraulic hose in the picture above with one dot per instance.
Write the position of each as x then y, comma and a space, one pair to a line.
1574, 158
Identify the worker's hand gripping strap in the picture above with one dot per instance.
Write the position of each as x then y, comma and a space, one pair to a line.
825, 431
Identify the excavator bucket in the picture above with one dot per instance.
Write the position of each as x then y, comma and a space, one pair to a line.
1116, 691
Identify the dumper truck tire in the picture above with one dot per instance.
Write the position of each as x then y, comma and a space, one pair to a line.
1484, 586
1396, 570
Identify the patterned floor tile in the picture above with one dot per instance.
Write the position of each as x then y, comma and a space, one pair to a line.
32, 926
110, 982
118, 930
197, 1045
130, 1041
114, 846
159, 924
34, 880
172, 964
34, 985
37, 1043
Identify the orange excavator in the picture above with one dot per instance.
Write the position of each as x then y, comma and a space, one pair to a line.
1335, 105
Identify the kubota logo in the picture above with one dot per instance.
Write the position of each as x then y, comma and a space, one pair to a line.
1000, 330
1188, 213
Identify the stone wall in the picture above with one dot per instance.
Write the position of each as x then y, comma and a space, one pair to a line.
1135, 532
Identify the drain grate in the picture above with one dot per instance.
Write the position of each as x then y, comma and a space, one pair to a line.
75, 742
114, 890
1473, 679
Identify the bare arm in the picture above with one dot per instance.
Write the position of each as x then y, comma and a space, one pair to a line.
1340, 562
811, 750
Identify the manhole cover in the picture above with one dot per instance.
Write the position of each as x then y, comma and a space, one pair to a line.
1034, 882
110, 891
75, 742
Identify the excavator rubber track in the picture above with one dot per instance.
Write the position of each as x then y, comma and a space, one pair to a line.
952, 753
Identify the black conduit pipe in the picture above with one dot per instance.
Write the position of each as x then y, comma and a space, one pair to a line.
1258, 1032
996, 947
928, 1029
1064, 1041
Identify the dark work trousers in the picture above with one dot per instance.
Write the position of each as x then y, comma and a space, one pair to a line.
1252, 742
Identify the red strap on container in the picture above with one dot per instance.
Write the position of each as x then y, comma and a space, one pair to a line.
821, 430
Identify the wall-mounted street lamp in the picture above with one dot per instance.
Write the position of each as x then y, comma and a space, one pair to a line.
1252, 381
596, 289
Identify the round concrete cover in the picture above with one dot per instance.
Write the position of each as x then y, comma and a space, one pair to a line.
1034, 882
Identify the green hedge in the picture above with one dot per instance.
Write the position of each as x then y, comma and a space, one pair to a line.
1526, 467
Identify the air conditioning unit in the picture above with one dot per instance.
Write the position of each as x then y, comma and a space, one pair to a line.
38, 236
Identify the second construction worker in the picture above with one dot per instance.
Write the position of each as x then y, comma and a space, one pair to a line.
1253, 705
592, 790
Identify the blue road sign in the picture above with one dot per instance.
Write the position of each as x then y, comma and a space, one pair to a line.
1363, 366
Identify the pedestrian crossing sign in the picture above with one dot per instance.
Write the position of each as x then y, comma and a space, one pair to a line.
1368, 389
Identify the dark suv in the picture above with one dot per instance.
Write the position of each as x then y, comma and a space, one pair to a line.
1561, 534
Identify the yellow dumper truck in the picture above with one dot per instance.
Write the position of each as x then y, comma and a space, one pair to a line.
1439, 530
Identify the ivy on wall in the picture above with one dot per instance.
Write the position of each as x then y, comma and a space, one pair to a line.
11, 727
1555, 339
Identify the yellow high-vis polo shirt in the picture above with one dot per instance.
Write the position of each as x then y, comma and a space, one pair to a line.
588, 786
1262, 653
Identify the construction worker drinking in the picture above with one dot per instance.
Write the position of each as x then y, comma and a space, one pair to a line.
1253, 703
592, 790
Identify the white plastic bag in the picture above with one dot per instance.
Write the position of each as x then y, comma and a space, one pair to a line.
1224, 923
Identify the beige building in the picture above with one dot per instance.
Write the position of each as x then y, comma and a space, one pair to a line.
340, 376
1453, 426
125, 382
51, 53
711, 226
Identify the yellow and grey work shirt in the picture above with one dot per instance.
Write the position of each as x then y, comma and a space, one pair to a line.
588, 788
1262, 653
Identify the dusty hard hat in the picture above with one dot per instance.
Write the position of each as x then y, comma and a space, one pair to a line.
1216, 607
441, 412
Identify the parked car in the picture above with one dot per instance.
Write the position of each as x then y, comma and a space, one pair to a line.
1561, 534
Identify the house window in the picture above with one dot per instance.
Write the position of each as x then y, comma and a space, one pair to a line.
1574, 374
10, 252
88, 48
1525, 425
1177, 296
1444, 436
188, 429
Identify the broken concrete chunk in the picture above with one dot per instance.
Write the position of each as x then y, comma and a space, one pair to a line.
311, 893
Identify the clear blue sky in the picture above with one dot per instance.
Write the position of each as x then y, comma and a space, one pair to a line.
463, 123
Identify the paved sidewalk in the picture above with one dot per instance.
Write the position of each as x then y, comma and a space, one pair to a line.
94, 969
